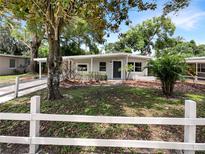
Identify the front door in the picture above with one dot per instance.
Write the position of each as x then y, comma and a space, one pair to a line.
117, 69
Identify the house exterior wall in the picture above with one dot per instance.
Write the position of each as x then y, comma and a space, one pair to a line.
144, 72
96, 62
5, 64
109, 66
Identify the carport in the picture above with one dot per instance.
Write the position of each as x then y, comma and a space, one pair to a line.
198, 66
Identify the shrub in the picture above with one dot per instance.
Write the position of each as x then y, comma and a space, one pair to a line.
97, 76
128, 69
169, 69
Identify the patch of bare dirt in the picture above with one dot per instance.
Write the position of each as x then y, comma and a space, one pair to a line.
183, 87
76, 83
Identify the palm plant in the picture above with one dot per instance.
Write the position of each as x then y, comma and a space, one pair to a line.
128, 69
169, 69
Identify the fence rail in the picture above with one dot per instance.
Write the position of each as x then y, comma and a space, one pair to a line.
190, 121
104, 119
103, 143
195, 78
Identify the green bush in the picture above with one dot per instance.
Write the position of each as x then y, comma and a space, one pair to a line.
97, 76
169, 69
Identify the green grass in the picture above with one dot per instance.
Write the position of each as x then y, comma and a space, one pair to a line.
12, 77
109, 101
9, 79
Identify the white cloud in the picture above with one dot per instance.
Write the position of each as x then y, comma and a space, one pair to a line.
189, 18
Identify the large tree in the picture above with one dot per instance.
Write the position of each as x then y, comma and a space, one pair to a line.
175, 5
142, 37
55, 14
36, 32
116, 47
29, 33
179, 46
78, 34
8, 43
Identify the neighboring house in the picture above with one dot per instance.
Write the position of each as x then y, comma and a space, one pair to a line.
10, 64
111, 64
198, 66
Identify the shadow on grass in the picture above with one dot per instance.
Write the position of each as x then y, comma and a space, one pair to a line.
109, 101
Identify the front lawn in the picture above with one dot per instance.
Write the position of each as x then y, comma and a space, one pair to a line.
110, 101
10, 79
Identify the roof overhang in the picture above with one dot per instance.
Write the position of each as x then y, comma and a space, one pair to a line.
195, 60
13, 56
98, 56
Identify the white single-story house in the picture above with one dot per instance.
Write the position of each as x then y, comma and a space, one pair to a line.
198, 66
109, 63
10, 63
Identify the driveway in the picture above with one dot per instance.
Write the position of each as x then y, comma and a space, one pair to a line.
7, 92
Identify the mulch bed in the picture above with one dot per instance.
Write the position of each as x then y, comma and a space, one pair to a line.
180, 86
183, 87
79, 83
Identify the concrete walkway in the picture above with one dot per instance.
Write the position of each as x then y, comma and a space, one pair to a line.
7, 93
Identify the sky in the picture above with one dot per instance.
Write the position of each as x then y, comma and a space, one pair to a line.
189, 22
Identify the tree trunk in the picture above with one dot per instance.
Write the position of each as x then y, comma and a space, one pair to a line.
54, 65
35, 44
167, 88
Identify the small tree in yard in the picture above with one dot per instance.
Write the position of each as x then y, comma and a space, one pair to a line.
128, 69
169, 69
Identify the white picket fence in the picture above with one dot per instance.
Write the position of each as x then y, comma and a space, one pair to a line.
189, 122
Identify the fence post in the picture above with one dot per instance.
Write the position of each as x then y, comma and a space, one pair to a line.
195, 78
34, 125
190, 130
40, 71
16, 87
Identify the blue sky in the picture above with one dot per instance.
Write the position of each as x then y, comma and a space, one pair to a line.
190, 22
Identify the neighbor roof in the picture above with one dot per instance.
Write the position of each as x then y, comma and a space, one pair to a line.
195, 60
98, 56
13, 56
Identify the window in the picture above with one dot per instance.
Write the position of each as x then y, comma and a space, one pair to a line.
138, 67
201, 67
102, 66
12, 63
132, 64
82, 67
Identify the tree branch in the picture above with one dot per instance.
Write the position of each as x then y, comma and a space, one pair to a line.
44, 13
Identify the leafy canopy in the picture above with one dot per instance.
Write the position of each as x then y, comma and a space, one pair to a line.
78, 34
143, 36
100, 14
178, 46
8, 43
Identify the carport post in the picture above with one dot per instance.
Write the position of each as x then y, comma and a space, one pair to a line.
126, 72
40, 69
196, 76
91, 65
